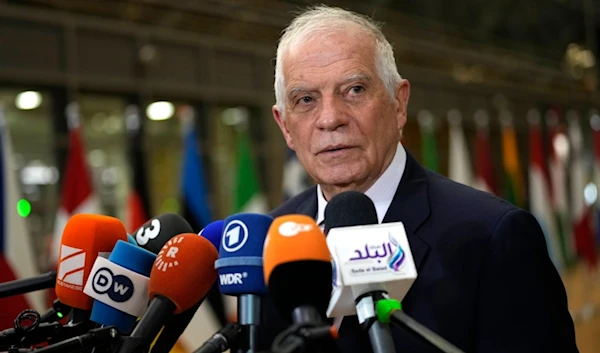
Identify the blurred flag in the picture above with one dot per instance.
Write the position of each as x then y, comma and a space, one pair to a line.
194, 195
459, 163
514, 184
248, 195
559, 151
77, 194
428, 144
17, 259
595, 124
484, 171
295, 177
581, 211
138, 206
540, 199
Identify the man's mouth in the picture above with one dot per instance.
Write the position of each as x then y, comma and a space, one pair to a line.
335, 148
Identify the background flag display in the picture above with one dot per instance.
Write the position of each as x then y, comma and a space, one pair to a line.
459, 163
428, 144
559, 152
514, 184
17, 259
484, 171
540, 200
138, 205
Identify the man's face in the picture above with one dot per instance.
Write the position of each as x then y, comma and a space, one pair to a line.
339, 117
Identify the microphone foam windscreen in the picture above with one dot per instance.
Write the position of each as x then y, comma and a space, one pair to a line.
349, 208
155, 233
184, 270
213, 232
240, 261
135, 259
84, 238
297, 265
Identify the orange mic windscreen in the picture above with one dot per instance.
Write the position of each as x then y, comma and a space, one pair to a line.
184, 270
297, 265
85, 237
293, 238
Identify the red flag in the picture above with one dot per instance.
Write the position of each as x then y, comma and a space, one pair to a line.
77, 190
484, 171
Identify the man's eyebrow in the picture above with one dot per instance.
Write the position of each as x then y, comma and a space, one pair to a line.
295, 90
357, 77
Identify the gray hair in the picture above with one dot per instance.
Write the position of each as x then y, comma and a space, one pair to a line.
320, 18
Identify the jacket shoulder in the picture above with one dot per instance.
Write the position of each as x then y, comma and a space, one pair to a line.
291, 206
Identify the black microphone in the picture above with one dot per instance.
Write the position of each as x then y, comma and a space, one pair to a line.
353, 208
297, 270
221, 340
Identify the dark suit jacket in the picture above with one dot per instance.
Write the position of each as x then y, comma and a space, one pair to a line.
485, 280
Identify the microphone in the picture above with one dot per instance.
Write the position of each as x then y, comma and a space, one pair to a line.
369, 260
156, 232
220, 341
119, 286
85, 237
240, 267
297, 271
390, 310
182, 274
177, 324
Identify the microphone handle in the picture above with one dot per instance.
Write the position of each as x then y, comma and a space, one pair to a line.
26, 285
149, 326
400, 318
221, 341
95, 337
173, 329
381, 338
249, 318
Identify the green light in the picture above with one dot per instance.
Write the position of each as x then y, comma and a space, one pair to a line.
23, 208
59, 314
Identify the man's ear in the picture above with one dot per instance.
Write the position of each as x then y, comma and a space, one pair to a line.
402, 96
281, 122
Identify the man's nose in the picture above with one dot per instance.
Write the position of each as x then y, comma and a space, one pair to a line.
332, 115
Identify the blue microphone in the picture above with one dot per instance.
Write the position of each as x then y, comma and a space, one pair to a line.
213, 232
240, 268
119, 286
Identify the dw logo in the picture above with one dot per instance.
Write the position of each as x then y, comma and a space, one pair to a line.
235, 236
118, 288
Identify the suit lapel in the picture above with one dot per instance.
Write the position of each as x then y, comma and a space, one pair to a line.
309, 205
411, 207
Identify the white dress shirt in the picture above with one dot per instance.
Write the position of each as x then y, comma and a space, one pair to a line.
381, 193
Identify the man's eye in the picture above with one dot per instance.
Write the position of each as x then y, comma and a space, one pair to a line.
357, 89
305, 100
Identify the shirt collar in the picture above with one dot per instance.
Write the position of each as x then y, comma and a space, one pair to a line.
382, 192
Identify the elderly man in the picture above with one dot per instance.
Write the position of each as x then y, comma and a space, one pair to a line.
485, 281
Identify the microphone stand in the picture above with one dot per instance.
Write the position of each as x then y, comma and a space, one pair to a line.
26, 285
390, 311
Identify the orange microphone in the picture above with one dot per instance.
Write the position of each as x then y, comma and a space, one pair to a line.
183, 273
85, 237
297, 269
